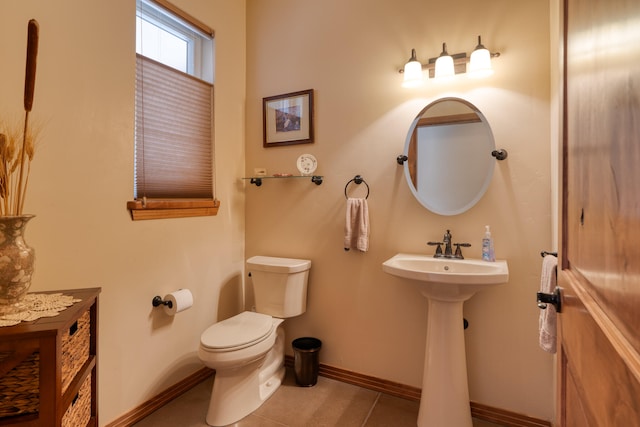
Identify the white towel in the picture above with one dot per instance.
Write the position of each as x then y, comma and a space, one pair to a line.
356, 229
547, 322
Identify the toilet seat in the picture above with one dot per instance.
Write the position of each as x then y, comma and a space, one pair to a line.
237, 332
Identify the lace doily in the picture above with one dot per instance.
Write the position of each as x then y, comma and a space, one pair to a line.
37, 306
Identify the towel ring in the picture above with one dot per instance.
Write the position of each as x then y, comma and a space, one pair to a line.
358, 180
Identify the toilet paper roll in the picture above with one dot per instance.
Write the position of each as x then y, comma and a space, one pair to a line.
180, 301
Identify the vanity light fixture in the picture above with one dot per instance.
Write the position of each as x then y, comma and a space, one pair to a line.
412, 72
480, 61
446, 65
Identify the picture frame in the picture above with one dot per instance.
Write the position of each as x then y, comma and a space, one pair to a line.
288, 119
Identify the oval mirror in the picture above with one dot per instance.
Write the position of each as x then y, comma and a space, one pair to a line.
449, 164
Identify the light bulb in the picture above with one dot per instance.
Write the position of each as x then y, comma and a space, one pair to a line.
480, 62
444, 64
412, 72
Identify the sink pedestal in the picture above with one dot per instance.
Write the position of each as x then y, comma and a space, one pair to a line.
445, 393
447, 284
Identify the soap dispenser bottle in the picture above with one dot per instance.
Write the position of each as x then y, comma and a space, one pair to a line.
488, 253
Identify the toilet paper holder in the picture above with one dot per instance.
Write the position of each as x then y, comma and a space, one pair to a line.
158, 301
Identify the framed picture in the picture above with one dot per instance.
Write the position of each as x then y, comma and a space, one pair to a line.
288, 119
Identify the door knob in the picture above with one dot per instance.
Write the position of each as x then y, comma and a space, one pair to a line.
554, 299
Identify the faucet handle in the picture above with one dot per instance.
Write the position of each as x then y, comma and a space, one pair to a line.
458, 253
438, 249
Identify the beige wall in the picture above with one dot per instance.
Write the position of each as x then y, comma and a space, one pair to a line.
348, 52
82, 178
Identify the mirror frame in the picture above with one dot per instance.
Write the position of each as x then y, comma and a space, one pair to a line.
407, 170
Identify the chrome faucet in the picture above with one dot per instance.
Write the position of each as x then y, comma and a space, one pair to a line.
448, 247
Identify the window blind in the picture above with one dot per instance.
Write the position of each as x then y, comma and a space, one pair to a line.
174, 118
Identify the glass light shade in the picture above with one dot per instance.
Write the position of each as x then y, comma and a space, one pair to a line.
444, 67
480, 63
412, 74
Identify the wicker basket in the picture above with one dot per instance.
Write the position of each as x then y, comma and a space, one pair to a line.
75, 349
19, 387
79, 412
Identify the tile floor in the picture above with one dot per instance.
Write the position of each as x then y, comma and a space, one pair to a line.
328, 403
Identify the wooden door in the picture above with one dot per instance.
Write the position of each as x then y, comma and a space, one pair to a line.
599, 326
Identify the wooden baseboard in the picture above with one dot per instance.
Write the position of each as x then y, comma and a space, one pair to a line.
504, 417
478, 410
365, 381
161, 399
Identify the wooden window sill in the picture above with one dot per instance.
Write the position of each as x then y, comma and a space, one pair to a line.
172, 208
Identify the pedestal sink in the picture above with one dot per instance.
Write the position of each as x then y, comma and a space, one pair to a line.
446, 283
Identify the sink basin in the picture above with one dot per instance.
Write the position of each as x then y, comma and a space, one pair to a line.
445, 270
446, 283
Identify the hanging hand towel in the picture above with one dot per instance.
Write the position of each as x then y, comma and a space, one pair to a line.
356, 230
547, 321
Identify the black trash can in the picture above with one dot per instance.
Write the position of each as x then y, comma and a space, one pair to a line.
306, 352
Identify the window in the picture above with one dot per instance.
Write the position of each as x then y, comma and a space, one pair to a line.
174, 114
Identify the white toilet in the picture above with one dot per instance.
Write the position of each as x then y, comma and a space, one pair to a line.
247, 350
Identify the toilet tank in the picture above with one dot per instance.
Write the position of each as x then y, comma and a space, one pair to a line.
279, 285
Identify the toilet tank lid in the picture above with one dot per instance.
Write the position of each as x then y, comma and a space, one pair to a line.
278, 265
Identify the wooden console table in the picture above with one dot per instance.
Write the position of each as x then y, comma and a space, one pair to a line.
48, 367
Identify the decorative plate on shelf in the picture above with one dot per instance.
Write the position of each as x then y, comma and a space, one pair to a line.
307, 164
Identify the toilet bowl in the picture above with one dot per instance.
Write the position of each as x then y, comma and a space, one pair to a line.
247, 350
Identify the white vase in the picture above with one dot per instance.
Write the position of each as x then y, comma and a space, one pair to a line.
17, 261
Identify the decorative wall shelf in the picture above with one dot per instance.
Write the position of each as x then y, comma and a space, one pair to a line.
257, 180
